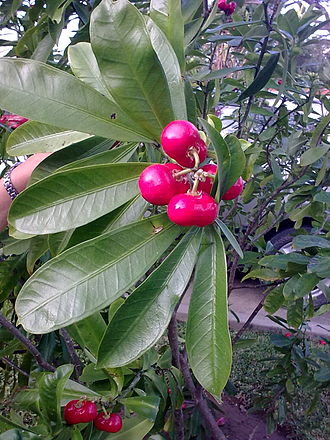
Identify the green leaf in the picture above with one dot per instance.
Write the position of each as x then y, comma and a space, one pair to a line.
129, 65
171, 68
34, 137
238, 160
84, 66
55, 9
322, 196
320, 265
76, 283
88, 332
74, 197
221, 73
319, 130
274, 300
295, 313
145, 406
300, 285
263, 274
262, 78
74, 152
322, 375
119, 154
146, 313
313, 154
68, 103
74, 390
207, 337
134, 428
51, 386
168, 16
228, 234
38, 246
307, 241
223, 156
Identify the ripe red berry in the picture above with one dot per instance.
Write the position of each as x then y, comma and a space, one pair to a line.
288, 334
279, 82
79, 411
322, 342
227, 8
235, 190
192, 210
205, 183
108, 422
157, 184
178, 137
182, 182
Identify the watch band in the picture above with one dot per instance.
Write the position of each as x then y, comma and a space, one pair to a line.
8, 184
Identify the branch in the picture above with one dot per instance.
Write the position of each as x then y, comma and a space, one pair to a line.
78, 365
27, 343
11, 364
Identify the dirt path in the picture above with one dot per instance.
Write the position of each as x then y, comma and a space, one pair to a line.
239, 425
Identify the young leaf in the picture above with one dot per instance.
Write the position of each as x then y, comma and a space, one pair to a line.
91, 275
145, 315
207, 338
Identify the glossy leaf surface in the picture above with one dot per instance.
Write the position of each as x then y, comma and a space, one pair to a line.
129, 65
145, 315
70, 103
89, 276
74, 197
34, 137
207, 337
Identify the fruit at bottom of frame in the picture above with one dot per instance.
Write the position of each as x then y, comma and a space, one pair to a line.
108, 422
182, 182
205, 183
157, 184
227, 8
178, 138
79, 411
192, 210
235, 190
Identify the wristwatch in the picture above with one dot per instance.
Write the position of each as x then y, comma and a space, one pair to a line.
8, 184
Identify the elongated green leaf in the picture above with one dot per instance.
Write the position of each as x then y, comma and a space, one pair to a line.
262, 78
88, 332
306, 241
129, 65
120, 154
89, 276
84, 66
295, 313
56, 8
313, 154
207, 338
228, 234
221, 73
223, 156
320, 264
77, 151
37, 248
169, 62
146, 406
128, 213
145, 315
168, 16
237, 160
134, 428
74, 197
51, 386
300, 285
49, 95
34, 137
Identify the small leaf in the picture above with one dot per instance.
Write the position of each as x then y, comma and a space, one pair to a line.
274, 300
146, 407
313, 154
306, 241
230, 237
263, 274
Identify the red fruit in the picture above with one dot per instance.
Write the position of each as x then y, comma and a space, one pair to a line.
190, 210
321, 342
205, 183
108, 422
157, 184
227, 8
79, 411
288, 335
13, 121
178, 137
235, 190
182, 182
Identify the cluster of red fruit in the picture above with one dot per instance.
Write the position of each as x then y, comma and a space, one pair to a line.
84, 411
227, 8
184, 187
13, 121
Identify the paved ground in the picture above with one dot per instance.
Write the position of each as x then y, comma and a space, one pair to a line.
244, 300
